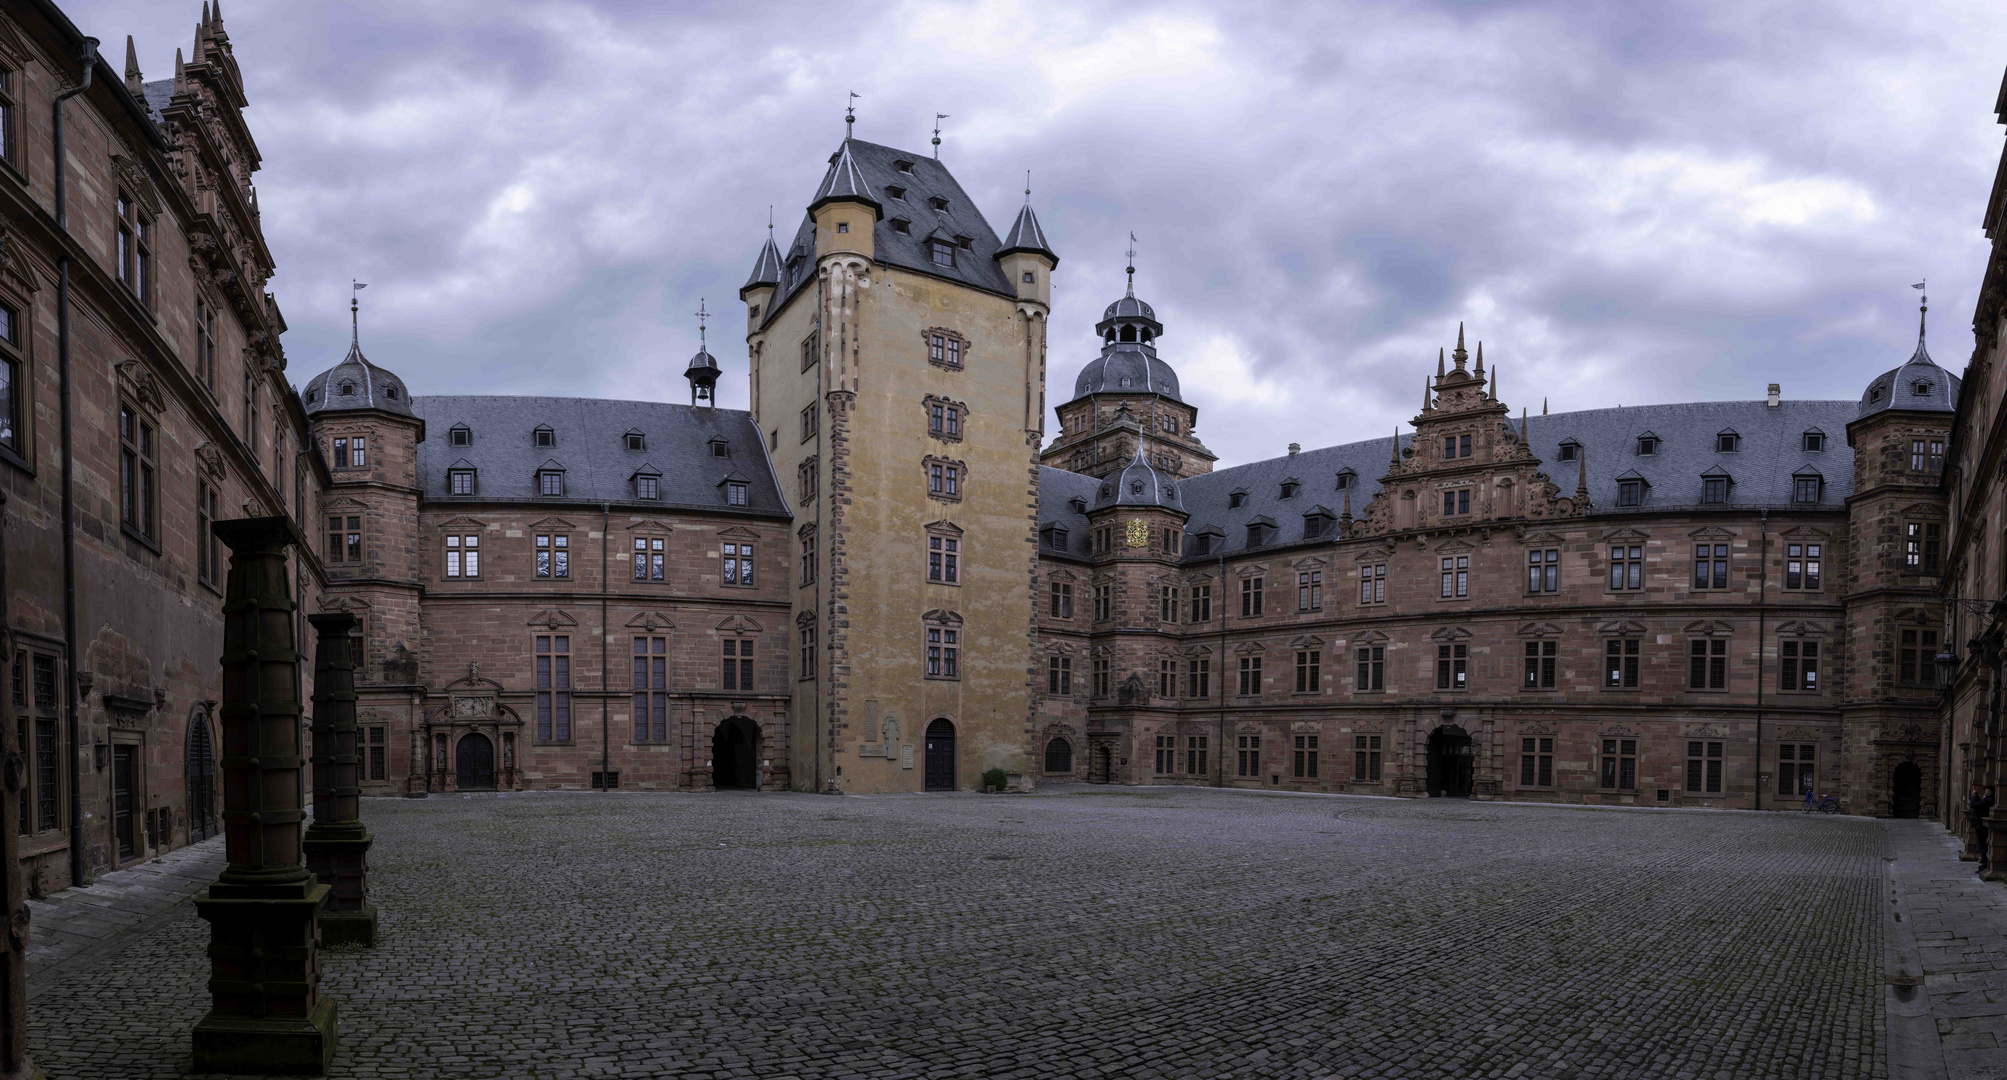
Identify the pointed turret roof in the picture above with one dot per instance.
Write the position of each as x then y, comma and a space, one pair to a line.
1026, 235
766, 269
843, 181
1919, 384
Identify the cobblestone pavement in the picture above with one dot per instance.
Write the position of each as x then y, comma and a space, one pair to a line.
1071, 933
1953, 934
74, 921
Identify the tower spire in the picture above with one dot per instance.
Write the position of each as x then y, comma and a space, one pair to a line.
1397, 444
1459, 355
1480, 359
1494, 376
1132, 261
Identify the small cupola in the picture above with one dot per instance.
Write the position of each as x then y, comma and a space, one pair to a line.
702, 371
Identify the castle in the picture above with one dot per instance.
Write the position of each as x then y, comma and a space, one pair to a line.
884, 577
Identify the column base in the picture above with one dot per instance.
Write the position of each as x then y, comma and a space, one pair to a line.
282, 1045
349, 927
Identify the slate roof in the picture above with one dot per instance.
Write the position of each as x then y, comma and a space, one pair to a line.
1918, 384
1026, 235
766, 269
1127, 367
355, 383
1762, 469
156, 95
869, 170
592, 449
1056, 489
1138, 484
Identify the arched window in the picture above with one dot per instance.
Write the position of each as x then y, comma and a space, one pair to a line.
1059, 756
1128, 333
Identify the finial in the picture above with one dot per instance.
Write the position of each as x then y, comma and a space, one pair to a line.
1524, 439
1543, 406
1459, 355
1397, 444
354, 325
1480, 359
1426, 406
1439, 362
1922, 310
131, 59
1027, 187
850, 116
1494, 373
1345, 518
938, 117
1581, 474
1132, 263
701, 316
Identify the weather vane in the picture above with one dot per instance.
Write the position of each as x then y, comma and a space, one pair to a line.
1132, 261
1922, 308
850, 115
938, 117
354, 331
701, 316
1027, 187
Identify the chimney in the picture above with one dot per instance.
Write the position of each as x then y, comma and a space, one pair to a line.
1294, 448
1776, 392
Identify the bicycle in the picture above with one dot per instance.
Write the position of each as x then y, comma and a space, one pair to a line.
1825, 804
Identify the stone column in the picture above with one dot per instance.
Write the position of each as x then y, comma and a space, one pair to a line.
266, 1012
14, 1063
337, 843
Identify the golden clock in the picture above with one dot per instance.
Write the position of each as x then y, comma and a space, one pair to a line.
1139, 533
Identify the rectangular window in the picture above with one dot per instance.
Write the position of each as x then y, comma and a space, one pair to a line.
1620, 764
1455, 576
1250, 676
208, 553
944, 480
9, 144
1372, 668
1167, 754
1923, 547
137, 478
1366, 759
1101, 677
1373, 583
944, 560
1167, 678
358, 452
1707, 664
1801, 566
1713, 489
1247, 755
344, 539
1917, 658
13, 395
1703, 766
550, 482
1536, 762
553, 555
1627, 566
806, 634
378, 747
1104, 602
651, 685
735, 563
463, 556
1310, 590
1795, 772
808, 353
461, 482
1710, 566
1630, 493
738, 661
1202, 603
1167, 603
1543, 570
1452, 667
1308, 678
1805, 489
1541, 657
649, 558
1195, 755
809, 416
1303, 763
1936, 462
1062, 600
1798, 666
1198, 679
737, 492
1620, 663
944, 647
1250, 597
553, 688
805, 480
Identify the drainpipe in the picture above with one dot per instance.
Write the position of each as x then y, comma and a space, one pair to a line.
88, 54
605, 736
1221, 782
1762, 600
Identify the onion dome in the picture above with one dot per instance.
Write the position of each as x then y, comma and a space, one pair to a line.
1918, 385
1139, 484
356, 384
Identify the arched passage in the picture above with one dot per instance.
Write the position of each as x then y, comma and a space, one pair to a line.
1451, 761
201, 772
1906, 791
474, 763
941, 755
735, 754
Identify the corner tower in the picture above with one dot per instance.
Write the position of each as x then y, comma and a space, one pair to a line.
898, 352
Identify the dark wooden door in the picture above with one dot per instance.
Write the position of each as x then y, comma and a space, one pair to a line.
1906, 800
122, 784
475, 763
201, 767
940, 756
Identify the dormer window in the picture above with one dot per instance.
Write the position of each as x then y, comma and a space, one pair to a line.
1259, 533
1727, 442
896, 193
1135, 487
737, 493
1055, 538
1570, 450
1920, 388
901, 226
1235, 499
721, 448
965, 243
550, 482
1289, 489
903, 165
543, 436
348, 389
1346, 478
944, 253
1648, 444
647, 484
1631, 492
1315, 524
1813, 441
390, 392
1714, 488
1874, 393
1202, 544
637, 441
460, 481
313, 395
1078, 506
938, 203
1808, 488
460, 435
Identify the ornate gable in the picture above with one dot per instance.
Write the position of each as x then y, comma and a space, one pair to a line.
739, 624
553, 619
651, 621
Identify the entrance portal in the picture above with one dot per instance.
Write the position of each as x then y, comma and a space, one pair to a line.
122, 816
475, 763
735, 754
201, 768
1099, 771
941, 756
1906, 798
1451, 762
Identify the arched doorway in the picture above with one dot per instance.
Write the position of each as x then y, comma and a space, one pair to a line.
474, 763
1906, 794
941, 756
1451, 762
1059, 756
201, 772
735, 754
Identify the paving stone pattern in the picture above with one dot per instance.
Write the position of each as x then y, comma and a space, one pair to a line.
77, 922
1959, 925
1070, 933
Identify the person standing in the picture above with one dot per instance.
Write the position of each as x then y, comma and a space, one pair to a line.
1978, 806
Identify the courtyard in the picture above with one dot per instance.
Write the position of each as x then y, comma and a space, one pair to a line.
1076, 932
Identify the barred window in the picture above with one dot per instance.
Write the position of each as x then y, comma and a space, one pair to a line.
1620, 764
553, 688
1366, 759
1541, 657
651, 685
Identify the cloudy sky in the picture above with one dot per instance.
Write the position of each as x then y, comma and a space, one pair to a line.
1627, 202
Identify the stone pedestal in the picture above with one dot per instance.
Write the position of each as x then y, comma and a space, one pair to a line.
266, 1012
337, 843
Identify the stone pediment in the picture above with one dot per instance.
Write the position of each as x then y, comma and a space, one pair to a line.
738, 532
1711, 532
344, 502
1373, 555
1307, 641
553, 619
551, 523
1252, 570
741, 624
646, 525
1450, 633
1807, 533
1923, 510
1307, 564
1707, 628
1800, 628
1455, 547
1370, 637
1540, 630
1541, 539
650, 620
1248, 647
461, 521
943, 526
1626, 536
1621, 628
